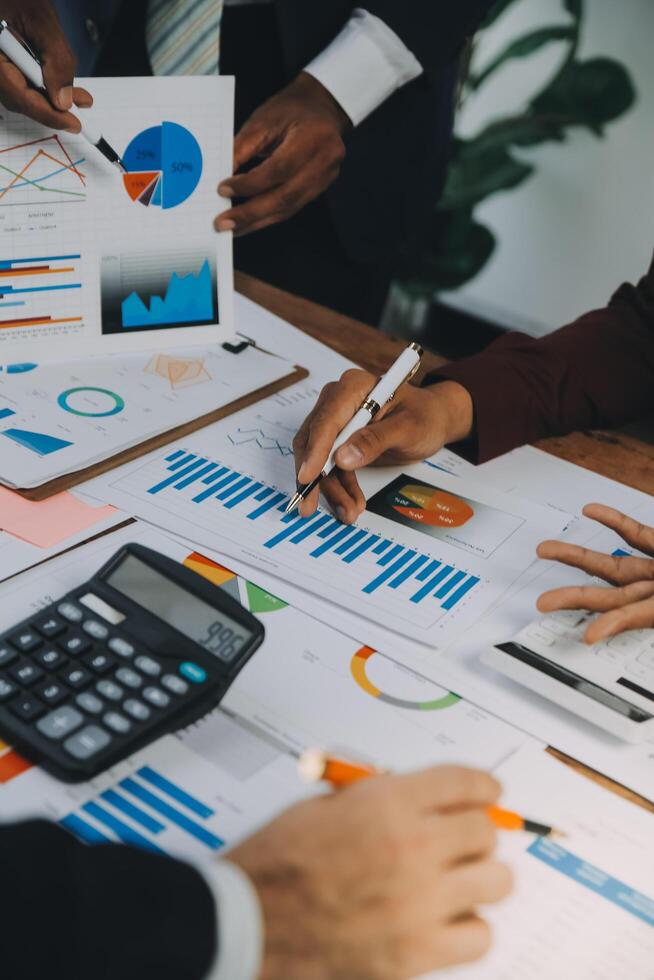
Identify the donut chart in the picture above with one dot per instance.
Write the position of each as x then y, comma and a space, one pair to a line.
358, 668
164, 166
69, 400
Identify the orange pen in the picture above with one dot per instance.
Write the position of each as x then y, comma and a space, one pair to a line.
316, 766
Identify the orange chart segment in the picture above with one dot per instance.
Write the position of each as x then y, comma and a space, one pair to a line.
137, 184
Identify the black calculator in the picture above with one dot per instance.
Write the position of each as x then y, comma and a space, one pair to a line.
143, 648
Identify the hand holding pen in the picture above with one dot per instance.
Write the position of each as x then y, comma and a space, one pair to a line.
37, 70
412, 426
37, 22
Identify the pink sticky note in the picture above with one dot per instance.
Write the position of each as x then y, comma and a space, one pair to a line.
46, 523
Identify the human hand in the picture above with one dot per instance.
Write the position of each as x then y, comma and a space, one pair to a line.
627, 606
37, 23
298, 133
414, 425
380, 880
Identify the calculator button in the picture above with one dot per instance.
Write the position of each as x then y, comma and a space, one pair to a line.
70, 612
50, 627
76, 676
174, 683
7, 655
156, 697
26, 673
148, 666
136, 709
27, 707
95, 629
60, 722
192, 672
89, 703
7, 689
109, 690
121, 647
50, 658
87, 742
26, 641
99, 662
117, 722
52, 692
129, 677
75, 644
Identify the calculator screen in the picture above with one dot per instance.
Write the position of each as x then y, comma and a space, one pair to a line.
204, 624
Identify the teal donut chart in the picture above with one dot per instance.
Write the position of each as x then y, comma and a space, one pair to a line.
118, 402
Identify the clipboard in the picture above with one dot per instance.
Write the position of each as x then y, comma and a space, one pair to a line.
69, 480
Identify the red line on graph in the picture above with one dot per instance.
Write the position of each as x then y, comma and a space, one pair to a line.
67, 164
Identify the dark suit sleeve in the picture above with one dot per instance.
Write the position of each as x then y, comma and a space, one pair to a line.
433, 30
596, 373
99, 913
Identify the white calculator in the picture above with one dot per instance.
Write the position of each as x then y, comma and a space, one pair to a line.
610, 684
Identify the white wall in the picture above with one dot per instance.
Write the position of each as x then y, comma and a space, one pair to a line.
585, 222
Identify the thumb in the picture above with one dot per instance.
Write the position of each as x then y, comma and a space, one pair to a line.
368, 444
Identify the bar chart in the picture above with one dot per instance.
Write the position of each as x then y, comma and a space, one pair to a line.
35, 288
368, 566
144, 810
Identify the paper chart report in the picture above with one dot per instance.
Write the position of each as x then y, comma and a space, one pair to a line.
90, 258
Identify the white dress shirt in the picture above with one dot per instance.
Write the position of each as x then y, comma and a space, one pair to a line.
363, 65
361, 68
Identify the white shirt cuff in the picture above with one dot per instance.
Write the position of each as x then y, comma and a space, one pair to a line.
240, 923
364, 65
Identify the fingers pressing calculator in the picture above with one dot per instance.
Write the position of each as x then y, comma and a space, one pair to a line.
143, 648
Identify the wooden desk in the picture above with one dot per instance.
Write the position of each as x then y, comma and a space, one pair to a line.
617, 456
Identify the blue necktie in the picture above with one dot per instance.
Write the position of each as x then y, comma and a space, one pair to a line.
183, 36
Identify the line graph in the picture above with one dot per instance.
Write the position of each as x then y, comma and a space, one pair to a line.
260, 439
40, 170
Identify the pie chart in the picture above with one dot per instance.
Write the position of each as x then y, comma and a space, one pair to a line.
164, 166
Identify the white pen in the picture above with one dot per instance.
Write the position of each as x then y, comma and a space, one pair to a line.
21, 55
403, 369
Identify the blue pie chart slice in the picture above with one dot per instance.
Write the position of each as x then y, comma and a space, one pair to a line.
164, 166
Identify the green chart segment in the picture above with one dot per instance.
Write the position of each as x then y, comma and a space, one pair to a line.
358, 667
164, 166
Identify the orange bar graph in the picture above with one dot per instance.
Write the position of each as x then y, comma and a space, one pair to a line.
38, 322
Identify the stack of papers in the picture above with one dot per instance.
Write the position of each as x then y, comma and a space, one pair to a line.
58, 418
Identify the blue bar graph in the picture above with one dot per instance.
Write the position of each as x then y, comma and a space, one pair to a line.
390, 555
172, 814
225, 494
389, 572
139, 811
418, 577
361, 549
84, 830
268, 505
175, 792
123, 831
460, 592
134, 812
453, 580
6, 412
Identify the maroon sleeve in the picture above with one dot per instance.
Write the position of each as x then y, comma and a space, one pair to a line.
597, 372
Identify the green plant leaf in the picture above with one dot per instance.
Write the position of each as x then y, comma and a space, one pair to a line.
460, 251
574, 7
522, 47
588, 93
475, 173
527, 129
496, 12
